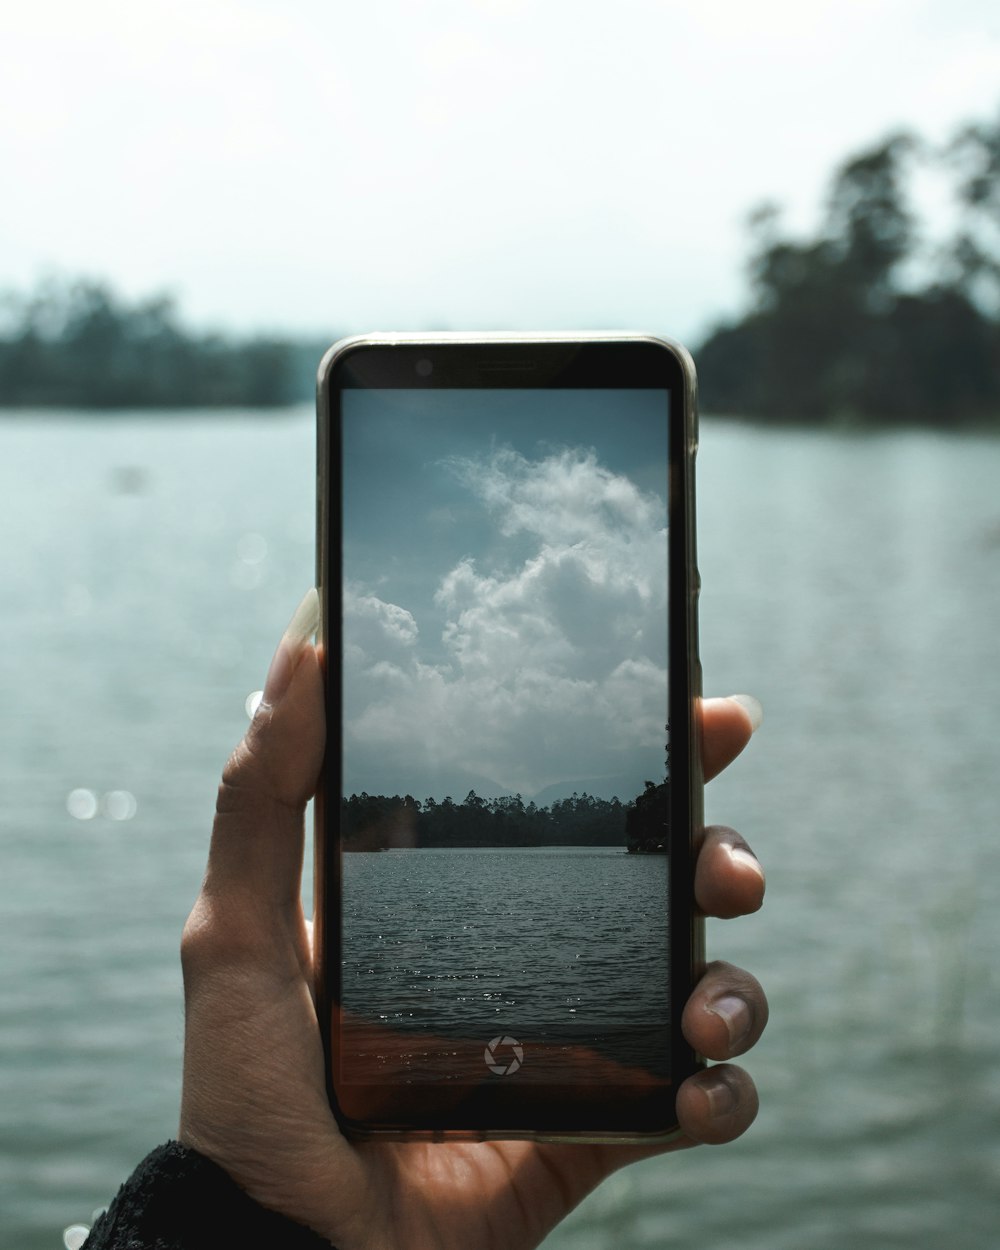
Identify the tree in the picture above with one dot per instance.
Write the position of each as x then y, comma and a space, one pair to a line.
975, 253
834, 334
78, 344
870, 226
647, 821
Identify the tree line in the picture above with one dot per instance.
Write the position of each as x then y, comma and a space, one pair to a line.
377, 822
75, 343
866, 321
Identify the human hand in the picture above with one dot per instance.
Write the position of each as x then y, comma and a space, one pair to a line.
254, 1096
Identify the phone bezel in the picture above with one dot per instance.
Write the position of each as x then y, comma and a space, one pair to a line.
571, 1112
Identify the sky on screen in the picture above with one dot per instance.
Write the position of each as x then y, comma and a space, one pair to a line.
515, 642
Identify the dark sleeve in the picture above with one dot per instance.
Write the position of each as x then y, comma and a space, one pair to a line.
176, 1199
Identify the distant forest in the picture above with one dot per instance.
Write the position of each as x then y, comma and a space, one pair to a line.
371, 822
867, 321
77, 344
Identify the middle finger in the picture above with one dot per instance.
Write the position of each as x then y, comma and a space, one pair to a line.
728, 878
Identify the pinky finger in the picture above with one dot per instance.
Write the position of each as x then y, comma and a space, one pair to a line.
717, 1105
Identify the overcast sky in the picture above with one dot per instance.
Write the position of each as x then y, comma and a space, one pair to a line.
321, 166
504, 604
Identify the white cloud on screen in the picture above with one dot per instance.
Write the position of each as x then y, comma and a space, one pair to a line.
555, 660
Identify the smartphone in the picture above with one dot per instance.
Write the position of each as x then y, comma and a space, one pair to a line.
505, 929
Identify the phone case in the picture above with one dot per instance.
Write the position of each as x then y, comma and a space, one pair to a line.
686, 653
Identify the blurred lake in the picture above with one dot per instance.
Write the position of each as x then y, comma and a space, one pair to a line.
851, 581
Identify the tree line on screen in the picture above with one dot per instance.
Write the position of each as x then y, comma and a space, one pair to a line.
867, 320
376, 822
75, 343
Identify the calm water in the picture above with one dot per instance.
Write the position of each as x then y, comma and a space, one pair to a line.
851, 582
558, 947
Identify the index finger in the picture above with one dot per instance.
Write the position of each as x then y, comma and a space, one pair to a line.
727, 726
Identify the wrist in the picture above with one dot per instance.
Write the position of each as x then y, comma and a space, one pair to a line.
178, 1197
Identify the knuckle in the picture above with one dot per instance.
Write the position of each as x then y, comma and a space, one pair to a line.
250, 779
212, 941
239, 779
199, 939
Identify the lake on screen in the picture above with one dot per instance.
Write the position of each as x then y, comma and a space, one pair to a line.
851, 582
557, 947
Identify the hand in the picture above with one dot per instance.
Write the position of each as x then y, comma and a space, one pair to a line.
254, 1097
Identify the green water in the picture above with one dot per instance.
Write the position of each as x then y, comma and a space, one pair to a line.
851, 582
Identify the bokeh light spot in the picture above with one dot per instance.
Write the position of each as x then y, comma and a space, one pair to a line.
119, 805
75, 1235
253, 703
82, 804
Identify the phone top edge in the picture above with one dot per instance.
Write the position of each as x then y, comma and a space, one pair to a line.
388, 337
430, 338
467, 338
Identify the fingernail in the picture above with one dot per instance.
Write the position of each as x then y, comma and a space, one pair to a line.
722, 1100
735, 1014
752, 707
747, 859
300, 629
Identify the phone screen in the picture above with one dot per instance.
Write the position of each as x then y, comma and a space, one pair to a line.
503, 864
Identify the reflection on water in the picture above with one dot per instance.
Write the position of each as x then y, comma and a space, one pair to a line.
84, 804
852, 583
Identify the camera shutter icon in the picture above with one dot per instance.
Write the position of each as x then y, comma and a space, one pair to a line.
500, 1064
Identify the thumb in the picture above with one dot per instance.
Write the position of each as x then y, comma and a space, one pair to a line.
257, 839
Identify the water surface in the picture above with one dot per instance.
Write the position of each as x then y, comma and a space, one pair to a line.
852, 582
564, 949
